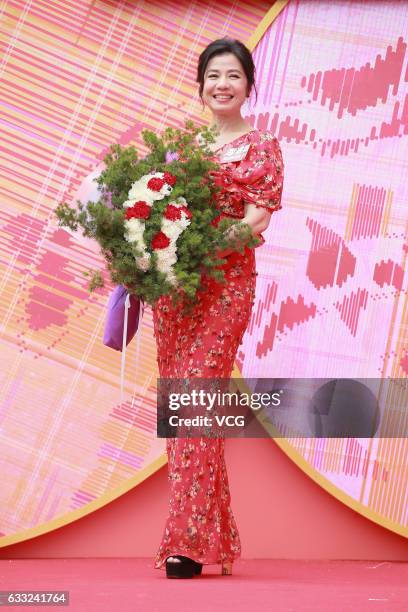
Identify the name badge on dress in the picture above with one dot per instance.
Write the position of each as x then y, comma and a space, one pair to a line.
234, 154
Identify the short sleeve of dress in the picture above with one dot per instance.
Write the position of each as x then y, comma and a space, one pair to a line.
261, 174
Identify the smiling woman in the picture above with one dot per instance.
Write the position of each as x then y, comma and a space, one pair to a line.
201, 528
225, 83
226, 74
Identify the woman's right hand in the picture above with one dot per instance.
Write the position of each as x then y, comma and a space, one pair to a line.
224, 253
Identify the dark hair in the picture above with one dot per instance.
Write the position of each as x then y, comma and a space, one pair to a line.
227, 45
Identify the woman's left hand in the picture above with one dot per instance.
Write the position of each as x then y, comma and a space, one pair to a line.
231, 234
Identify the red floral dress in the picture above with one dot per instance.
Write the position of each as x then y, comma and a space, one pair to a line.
200, 523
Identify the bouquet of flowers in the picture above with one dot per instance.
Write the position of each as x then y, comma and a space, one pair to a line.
155, 221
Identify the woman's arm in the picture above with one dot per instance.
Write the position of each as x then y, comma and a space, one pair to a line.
261, 187
257, 218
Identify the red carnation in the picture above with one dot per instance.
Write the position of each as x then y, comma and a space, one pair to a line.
140, 210
160, 241
170, 179
186, 211
155, 184
172, 212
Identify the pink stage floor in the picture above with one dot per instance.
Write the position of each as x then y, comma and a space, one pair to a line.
124, 585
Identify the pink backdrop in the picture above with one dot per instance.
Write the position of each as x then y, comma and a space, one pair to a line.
331, 293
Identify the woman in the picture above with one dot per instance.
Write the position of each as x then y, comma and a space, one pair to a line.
201, 528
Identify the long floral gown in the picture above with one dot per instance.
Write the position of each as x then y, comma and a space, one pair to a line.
200, 523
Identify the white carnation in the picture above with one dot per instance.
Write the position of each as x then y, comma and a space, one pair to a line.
182, 201
143, 263
166, 258
134, 230
163, 193
140, 191
171, 230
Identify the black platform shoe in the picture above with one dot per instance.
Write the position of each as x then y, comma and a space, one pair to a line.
184, 567
197, 568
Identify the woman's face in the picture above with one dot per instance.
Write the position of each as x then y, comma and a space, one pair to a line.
225, 84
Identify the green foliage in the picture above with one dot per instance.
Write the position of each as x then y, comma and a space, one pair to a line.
196, 246
96, 279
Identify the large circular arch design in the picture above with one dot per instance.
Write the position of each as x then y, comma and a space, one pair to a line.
71, 84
